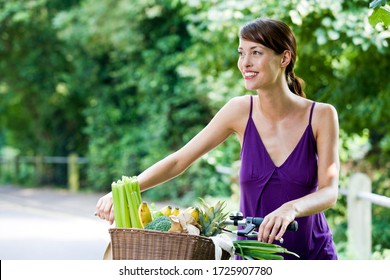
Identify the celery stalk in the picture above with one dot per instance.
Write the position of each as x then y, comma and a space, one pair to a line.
116, 205
124, 207
132, 214
127, 189
127, 198
133, 197
134, 211
137, 189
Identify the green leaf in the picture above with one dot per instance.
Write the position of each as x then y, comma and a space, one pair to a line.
380, 15
265, 256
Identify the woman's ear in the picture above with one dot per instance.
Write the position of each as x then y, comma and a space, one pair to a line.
286, 58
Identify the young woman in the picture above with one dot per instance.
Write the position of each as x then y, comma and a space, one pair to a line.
289, 146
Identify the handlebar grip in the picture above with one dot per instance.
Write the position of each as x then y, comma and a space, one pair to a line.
293, 226
252, 222
257, 221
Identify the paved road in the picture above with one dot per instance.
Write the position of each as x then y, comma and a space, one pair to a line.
47, 224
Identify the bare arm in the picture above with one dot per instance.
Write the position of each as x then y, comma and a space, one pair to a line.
218, 130
328, 167
275, 224
224, 123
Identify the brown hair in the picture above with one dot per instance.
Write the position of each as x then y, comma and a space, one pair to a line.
279, 37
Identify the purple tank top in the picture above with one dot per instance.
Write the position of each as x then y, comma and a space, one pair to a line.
265, 187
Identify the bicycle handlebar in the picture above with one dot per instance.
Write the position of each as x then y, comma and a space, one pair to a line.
256, 221
250, 223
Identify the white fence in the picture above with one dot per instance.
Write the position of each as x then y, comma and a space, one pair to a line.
359, 201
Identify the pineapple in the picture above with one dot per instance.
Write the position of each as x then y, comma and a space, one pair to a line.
211, 218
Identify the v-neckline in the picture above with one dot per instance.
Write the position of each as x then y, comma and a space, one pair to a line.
290, 154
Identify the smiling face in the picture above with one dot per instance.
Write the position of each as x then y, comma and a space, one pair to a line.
260, 66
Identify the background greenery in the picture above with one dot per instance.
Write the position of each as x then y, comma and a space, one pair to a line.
124, 83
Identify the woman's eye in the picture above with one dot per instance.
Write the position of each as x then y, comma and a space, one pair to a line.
240, 53
256, 53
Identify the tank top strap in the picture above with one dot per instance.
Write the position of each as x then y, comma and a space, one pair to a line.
250, 111
311, 112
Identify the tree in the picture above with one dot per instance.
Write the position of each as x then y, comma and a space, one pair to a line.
39, 113
90, 74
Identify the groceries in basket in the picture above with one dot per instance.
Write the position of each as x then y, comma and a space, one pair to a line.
209, 222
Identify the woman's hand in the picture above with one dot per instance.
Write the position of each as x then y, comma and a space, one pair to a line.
104, 209
275, 223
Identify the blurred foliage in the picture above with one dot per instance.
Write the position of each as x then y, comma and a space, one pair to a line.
127, 82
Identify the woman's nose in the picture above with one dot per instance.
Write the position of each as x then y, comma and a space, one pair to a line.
247, 62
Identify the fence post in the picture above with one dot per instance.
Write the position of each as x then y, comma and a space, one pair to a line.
16, 169
73, 173
359, 217
39, 169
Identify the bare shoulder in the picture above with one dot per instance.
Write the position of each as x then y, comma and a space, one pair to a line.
238, 106
325, 118
235, 113
324, 110
240, 102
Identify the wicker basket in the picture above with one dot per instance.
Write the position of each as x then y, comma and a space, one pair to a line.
139, 244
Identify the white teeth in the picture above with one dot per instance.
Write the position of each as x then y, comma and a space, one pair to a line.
250, 74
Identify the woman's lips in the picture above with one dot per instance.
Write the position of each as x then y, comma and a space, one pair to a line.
250, 75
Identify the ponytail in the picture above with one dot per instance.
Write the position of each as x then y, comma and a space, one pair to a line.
295, 84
